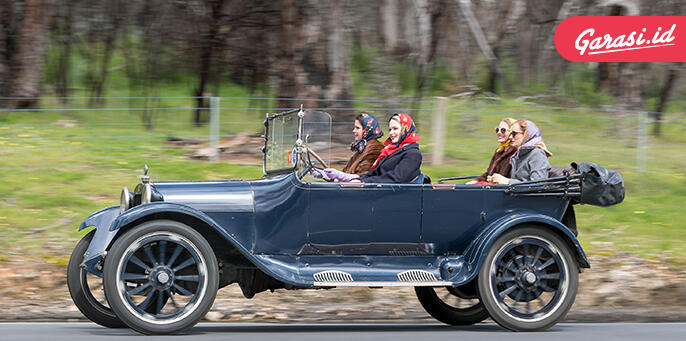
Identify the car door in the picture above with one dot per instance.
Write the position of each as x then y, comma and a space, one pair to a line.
357, 218
452, 216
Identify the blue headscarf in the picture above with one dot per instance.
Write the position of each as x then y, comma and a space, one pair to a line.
371, 131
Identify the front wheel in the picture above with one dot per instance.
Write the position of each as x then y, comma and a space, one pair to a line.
86, 289
161, 277
451, 305
528, 280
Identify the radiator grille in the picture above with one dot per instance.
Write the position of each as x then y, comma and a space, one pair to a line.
332, 276
416, 276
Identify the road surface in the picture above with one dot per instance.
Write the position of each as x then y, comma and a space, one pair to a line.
348, 332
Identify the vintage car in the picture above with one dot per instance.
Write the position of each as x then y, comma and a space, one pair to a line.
470, 251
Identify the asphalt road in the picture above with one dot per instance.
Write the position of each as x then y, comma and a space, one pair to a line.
348, 332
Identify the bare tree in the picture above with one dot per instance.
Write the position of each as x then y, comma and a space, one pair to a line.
475, 27
62, 36
6, 10
28, 52
112, 20
313, 61
672, 73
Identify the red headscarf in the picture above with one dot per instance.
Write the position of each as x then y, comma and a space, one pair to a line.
408, 134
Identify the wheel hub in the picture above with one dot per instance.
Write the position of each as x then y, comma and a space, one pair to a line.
162, 278
526, 278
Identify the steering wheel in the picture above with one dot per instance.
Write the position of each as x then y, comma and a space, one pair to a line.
314, 154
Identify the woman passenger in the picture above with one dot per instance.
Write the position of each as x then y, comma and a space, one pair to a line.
530, 161
366, 147
398, 162
500, 162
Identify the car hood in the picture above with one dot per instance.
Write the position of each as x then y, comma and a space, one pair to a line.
209, 196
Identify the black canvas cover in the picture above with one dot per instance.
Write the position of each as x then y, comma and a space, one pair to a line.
600, 186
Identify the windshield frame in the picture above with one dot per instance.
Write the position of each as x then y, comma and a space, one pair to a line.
298, 142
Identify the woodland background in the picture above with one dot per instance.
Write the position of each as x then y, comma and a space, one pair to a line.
320, 50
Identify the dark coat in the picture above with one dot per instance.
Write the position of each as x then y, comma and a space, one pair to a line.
500, 163
399, 167
360, 163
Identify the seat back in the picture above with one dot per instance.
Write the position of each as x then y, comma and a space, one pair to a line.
421, 179
556, 171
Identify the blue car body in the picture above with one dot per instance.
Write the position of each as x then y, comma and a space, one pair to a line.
319, 234
498, 248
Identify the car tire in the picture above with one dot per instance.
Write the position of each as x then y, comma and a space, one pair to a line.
527, 264
445, 305
95, 310
161, 277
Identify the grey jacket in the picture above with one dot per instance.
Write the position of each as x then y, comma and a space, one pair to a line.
531, 164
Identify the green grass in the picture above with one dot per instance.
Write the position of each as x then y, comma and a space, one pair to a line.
53, 176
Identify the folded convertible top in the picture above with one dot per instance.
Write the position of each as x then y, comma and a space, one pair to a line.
585, 183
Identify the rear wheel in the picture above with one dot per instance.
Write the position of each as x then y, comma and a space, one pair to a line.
161, 277
86, 289
529, 279
452, 305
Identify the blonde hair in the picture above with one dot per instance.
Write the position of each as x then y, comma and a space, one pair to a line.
509, 120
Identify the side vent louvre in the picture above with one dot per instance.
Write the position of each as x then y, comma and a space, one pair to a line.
332, 276
416, 276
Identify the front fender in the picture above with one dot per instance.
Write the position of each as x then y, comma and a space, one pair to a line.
139, 212
102, 220
477, 250
108, 223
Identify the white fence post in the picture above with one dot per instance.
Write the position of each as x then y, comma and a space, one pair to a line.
438, 131
642, 141
214, 128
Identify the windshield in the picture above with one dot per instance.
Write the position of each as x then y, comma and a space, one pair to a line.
282, 132
281, 154
317, 132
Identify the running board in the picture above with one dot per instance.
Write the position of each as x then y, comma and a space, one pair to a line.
384, 284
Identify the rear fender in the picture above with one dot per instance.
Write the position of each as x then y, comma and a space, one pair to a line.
478, 249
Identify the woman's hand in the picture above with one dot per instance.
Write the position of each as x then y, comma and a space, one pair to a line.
471, 182
498, 179
338, 175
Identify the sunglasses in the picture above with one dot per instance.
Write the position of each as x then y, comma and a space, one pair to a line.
502, 130
514, 133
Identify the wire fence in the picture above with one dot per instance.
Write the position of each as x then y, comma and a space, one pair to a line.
72, 131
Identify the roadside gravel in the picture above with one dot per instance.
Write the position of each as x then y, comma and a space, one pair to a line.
620, 287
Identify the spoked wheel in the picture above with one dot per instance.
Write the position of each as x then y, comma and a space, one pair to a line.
161, 277
86, 289
528, 280
452, 305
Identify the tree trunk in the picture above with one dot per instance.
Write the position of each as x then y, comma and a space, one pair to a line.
314, 62
28, 58
425, 19
389, 23
209, 42
664, 96
550, 56
113, 11
64, 28
465, 6
609, 72
6, 8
